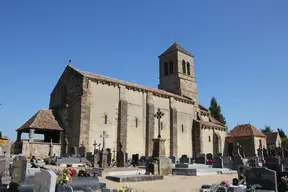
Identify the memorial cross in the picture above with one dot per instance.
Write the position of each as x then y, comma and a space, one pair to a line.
99, 145
114, 152
158, 116
104, 135
95, 145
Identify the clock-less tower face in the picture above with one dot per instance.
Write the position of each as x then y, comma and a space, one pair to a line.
176, 72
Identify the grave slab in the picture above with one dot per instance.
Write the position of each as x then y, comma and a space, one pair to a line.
134, 178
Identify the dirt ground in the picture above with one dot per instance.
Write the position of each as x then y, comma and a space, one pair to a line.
172, 183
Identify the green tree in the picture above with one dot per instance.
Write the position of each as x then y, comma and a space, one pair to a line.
281, 133
215, 110
0, 135
267, 129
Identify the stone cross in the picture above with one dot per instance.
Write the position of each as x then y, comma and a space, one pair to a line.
95, 145
158, 116
104, 135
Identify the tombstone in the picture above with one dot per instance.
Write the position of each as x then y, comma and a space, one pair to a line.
142, 160
227, 162
82, 150
262, 176
265, 153
1, 151
45, 181
73, 151
173, 159
5, 178
201, 159
217, 162
6, 147
18, 172
237, 161
209, 158
135, 159
274, 163
109, 156
184, 159
89, 157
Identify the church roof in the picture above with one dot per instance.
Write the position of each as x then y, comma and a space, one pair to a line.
176, 47
44, 119
210, 124
271, 137
128, 84
245, 130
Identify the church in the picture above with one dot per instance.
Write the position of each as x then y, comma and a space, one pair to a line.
86, 104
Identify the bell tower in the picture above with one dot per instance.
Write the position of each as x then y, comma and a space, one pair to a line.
176, 72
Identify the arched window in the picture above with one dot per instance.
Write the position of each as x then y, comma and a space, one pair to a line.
182, 128
188, 68
165, 68
171, 68
161, 126
183, 66
136, 122
209, 138
105, 119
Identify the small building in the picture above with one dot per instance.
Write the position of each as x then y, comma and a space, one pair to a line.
43, 122
273, 139
248, 137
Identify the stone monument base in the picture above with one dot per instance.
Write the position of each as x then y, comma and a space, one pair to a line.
162, 166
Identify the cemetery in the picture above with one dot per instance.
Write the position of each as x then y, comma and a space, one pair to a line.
265, 170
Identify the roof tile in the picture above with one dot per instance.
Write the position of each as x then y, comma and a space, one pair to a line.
245, 130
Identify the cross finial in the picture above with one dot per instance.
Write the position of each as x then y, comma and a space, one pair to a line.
70, 62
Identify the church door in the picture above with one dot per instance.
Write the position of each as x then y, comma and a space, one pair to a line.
216, 144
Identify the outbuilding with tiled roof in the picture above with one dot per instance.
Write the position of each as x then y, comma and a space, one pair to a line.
248, 137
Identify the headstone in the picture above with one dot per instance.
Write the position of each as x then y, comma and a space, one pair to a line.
274, 163
142, 160
217, 162
227, 162
109, 156
135, 159
89, 156
1, 151
45, 181
6, 147
209, 156
184, 159
201, 159
19, 169
236, 162
5, 178
262, 176
82, 151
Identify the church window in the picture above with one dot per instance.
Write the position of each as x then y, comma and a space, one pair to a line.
161, 126
209, 138
171, 68
188, 68
136, 122
105, 119
165, 68
182, 127
183, 66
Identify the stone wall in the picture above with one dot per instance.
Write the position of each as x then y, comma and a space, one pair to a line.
39, 149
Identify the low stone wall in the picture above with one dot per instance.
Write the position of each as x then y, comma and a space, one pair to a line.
39, 149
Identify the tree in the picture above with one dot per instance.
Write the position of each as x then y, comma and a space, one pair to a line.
0, 135
281, 133
267, 129
215, 110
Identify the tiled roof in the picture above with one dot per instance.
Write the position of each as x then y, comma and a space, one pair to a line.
43, 119
213, 120
271, 137
245, 130
121, 82
176, 47
203, 108
209, 124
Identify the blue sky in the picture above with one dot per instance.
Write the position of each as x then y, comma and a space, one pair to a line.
240, 50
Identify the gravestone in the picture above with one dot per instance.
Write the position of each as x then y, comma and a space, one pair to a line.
237, 161
89, 157
274, 163
217, 162
45, 181
109, 156
262, 176
172, 158
135, 159
184, 159
6, 147
227, 162
201, 159
209, 156
5, 178
96, 158
1, 151
82, 151
19, 169
142, 160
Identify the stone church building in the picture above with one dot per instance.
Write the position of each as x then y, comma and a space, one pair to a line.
86, 104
